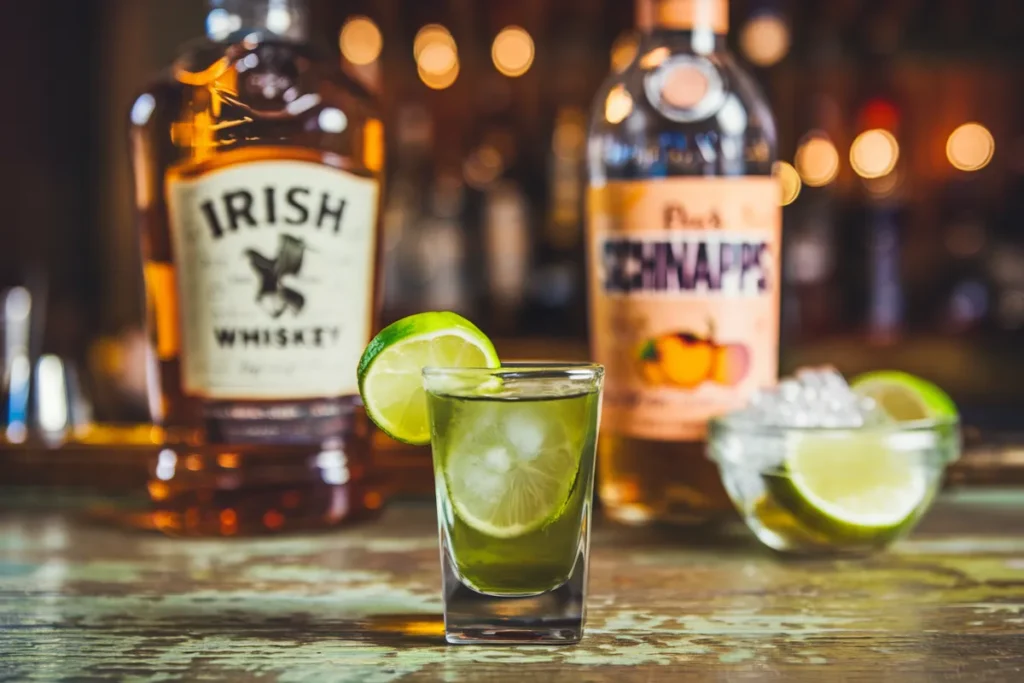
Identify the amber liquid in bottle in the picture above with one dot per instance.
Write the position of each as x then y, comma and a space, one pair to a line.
683, 260
258, 167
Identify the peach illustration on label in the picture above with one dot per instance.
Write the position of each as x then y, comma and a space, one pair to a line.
685, 360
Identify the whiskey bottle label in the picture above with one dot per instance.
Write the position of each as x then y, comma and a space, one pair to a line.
275, 267
684, 297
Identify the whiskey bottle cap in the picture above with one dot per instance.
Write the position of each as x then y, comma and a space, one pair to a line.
683, 15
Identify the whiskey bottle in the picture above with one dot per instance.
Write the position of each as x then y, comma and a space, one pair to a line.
258, 167
683, 241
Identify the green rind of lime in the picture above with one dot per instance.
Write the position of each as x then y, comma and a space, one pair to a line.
905, 397
390, 370
833, 531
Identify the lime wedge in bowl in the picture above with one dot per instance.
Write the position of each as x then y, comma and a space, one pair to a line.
871, 484
905, 397
390, 370
856, 485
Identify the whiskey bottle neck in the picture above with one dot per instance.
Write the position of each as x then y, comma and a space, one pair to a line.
279, 18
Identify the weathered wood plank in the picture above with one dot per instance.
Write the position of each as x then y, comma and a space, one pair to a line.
81, 602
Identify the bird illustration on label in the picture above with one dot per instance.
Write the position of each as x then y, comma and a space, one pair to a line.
273, 295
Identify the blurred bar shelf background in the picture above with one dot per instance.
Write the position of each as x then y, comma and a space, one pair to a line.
901, 127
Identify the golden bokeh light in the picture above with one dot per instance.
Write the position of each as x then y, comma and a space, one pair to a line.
765, 39
437, 59
970, 147
158, 490
618, 105
439, 81
373, 144
512, 51
654, 58
360, 40
228, 460
789, 182
874, 153
429, 35
436, 56
624, 51
817, 161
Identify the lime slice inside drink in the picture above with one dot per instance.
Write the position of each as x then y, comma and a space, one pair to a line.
903, 396
390, 370
510, 466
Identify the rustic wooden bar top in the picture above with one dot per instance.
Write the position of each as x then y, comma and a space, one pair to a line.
82, 602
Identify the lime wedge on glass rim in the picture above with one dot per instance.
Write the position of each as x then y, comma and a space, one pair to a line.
865, 485
391, 368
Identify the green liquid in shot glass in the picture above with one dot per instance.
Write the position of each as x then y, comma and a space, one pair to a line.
513, 483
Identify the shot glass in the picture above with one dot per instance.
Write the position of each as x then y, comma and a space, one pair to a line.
514, 451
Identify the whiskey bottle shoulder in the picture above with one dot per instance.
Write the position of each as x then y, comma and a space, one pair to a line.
232, 100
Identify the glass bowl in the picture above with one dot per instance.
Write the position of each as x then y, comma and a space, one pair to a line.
832, 490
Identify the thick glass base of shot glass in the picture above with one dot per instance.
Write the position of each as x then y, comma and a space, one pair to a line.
554, 617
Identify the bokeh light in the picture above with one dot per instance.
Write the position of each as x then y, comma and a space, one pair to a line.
817, 160
429, 35
765, 39
512, 51
874, 153
654, 58
437, 58
439, 81
624, 51
360, 40
618, 105
279, 19
970, 147
789, 182
482, 167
